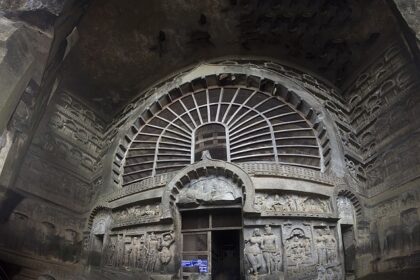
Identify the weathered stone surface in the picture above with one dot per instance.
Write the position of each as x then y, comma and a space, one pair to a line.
410, 10
322, 185
16, 66
53, 6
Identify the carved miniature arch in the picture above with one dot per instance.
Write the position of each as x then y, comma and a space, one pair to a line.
97, 209
354, 200
205, 168
294, 87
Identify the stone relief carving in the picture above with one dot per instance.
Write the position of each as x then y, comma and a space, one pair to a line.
263, 252
326, 246
394, 165
136, 214
148, 252
311, 254
411, 229
345, 210
210, 189
39, 231
71, 135
52, 182
298, 248
283, 203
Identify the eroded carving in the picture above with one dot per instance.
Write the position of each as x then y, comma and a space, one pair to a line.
138, 214
288, 202
211, 190
148, 252
263, 252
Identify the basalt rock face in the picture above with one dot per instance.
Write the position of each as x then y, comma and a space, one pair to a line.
410, 11
134, 134
326, 37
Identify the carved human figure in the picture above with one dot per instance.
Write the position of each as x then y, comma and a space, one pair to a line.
110, 254
133, 253
331, 246
153, 246
291, 203
148, 211
278, 203
298, 247
270, 250
157, 210
259, 202
320, 244
128, 254
164, 247
254, 254
142, 252
321, 272
120, 251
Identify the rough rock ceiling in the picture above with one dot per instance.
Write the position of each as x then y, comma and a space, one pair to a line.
126, 46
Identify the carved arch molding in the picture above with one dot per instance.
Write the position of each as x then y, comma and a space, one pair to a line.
157, 129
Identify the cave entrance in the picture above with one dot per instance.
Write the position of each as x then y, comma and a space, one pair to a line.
211, 244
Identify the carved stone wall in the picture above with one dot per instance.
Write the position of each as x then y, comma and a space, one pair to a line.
292, 249
56, 153
384, 102
42, 231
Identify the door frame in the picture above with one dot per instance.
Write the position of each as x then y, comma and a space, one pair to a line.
209, 231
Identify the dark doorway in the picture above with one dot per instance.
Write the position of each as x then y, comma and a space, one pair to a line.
225, 255
349, 248
211, 244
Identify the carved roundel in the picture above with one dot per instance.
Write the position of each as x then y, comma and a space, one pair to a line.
247, 119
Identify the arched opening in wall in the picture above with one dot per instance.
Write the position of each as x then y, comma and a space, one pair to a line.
96, 250
210, 137
97, 239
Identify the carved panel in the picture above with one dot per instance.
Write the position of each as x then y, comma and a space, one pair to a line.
345, 210
38, 230
72, 135
137, 214
298, 245
263, 252
51, 182
209, 190
291, 203
147, 251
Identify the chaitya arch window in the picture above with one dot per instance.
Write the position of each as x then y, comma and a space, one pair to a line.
235, 123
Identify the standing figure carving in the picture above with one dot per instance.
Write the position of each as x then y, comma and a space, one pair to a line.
254, 253
164, 247
153, 252
110, 253
331, 245
120, 251
270, 250
320, 244
142, 252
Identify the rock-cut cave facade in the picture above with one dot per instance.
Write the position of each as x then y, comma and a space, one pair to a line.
241, 139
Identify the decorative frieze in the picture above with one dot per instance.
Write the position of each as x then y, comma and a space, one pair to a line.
292, 204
